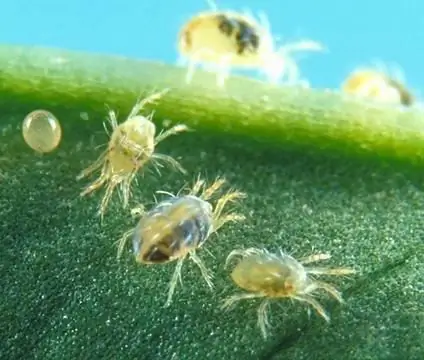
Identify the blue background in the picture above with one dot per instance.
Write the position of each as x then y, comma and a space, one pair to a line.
355, 31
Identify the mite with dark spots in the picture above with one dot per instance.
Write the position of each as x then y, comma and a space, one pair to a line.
176, 227
227, 40
379, 86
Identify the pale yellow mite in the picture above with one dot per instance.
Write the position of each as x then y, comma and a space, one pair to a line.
178, 226
377, 86
228, 40
270, 276
41, 131
131, 146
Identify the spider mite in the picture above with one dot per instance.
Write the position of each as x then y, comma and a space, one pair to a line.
132, 144
269, 276
176, 227
228, 39
378, 85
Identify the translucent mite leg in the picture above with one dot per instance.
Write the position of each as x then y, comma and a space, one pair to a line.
148, 100
122, 241
328, 271
314, 258
291, 68
197, 187
218, 219
175, 278
263, 322
94, 166
172, 131
330, 289
113, 121
136, 212
205, 272
315, 304
113, 182
207, 193
157, 158
99, 182
191, 68
230, 301
223, 71
292, 71
193, 62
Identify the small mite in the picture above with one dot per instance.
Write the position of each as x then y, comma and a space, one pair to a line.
131, 145
175, 228
378, 86
41, 131
228, 39
270, 276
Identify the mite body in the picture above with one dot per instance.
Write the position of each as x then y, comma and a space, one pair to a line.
132, 144
378, 86
228, 39
271, 276
175, 228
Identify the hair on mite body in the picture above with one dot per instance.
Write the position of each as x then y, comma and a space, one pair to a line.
380, 84
270, 276
178, 226
131, 146
229, 39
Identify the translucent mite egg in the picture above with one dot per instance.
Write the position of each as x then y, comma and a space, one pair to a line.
265, 275
41, 131
178, 226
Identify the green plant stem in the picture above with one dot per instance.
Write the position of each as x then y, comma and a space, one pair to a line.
315, 119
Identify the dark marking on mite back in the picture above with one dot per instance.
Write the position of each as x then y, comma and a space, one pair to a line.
406, 98
247, 38
226, 25
190, 232
186, 36
245, 35
157, 256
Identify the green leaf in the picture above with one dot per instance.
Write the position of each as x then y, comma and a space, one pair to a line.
65, 296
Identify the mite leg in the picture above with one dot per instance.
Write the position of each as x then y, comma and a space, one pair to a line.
328, 271
107, 196
156, 157
230, 301
217, 184
172, 131
94, 166
99, 182
315, 304
263, 321
148, 100
175, 278
330, 289
314, 258
122, 241
205, 272
223, 71
219, 218
191, 68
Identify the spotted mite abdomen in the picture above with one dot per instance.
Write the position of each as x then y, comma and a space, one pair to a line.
178, 226
173, 228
